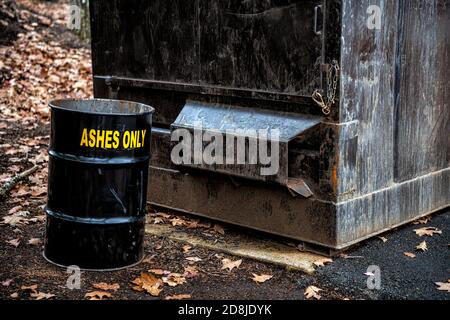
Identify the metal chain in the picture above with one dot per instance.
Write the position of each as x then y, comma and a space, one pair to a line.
332, 83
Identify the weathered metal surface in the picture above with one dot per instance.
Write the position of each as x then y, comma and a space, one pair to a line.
235, 44
367, 164
248, 129
422, 135
250, 204
367, 83
374, 213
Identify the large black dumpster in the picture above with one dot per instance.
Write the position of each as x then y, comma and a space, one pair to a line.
97, 189
357, 90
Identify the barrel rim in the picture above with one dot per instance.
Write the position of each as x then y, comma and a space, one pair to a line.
55, 104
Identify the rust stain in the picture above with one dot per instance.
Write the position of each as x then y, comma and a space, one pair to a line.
334, 176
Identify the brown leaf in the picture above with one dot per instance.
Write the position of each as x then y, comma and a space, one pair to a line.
423, 220
14, 295
322, 262
193, 259
15, 209
7, 282
409, 254
22, 191
97, 295
192, 224
219, 229
157, 220
261, 278
443, 286
174, 279
38, 191
190, 272
230, 265
16, 219
34, 241
176, 222
41, 295
159, 272
149, 283
32, 288
312, 292
105, 286
178, 297
54, 78
427, 231
164, 215
39, 218
14, 242
186, 248
422, 246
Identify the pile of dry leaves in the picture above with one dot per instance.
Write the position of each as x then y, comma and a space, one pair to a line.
36, 68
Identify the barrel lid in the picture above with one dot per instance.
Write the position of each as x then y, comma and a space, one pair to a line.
102, 107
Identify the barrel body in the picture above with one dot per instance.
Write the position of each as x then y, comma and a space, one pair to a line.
97, 184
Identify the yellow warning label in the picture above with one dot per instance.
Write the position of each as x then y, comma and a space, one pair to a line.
112, 139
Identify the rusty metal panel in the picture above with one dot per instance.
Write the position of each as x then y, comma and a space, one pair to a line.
237, 44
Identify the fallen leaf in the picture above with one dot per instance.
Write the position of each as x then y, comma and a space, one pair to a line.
105, 286
409, 254
23, 190
219, 229
7, 282
41, 295
443, 286
176, 222
383, 239
178, 297
14, 242
423, 220
16, 219
39, 218
192, 224
34, 241
174, 279
427, 231
322, 262
261, 278
159, 271
164, 215
15, 209
149, 283
157, 220
422, 246
32, 288
38, 191
312, 292
230, 265
97, 295
186, 248
193, 259
190, 272
14, 295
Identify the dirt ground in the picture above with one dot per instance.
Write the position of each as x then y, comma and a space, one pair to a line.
42, 61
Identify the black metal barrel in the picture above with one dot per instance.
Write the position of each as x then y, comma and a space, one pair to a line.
97, 183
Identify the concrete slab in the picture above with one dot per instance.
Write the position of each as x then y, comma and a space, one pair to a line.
242, 246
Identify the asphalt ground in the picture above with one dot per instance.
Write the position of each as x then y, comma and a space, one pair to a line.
401, 277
